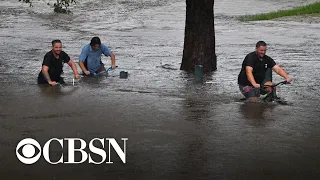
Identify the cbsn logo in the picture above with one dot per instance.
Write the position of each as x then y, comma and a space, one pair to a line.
29, 155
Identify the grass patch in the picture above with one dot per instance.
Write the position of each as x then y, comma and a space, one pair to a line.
301, 10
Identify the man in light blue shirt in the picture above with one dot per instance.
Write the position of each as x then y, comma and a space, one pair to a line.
90, 57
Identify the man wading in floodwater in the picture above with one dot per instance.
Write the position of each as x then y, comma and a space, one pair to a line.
90, 57
53, 63
256, 70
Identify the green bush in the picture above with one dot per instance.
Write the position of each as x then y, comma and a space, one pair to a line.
60, 6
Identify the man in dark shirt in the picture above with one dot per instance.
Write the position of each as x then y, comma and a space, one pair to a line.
254, 69
53, 63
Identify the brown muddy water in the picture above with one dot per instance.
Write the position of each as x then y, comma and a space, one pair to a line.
176, 129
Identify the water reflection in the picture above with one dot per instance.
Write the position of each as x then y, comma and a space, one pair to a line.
196, 109
256, 113
53, 91
197, 102
193, 155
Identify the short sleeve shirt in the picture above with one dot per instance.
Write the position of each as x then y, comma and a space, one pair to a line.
259, 66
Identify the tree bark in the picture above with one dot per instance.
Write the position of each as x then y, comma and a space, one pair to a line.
199, 41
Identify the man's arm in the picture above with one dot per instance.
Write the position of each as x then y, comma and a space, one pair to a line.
82, 58
46, 75
74, 69
251, 79
107, 52
282, 73
83, 68
113, 60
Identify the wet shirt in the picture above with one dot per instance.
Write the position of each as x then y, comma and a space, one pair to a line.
55, 65
93, 58
259, 68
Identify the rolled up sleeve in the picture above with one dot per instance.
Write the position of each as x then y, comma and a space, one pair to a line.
105, 50
83, 54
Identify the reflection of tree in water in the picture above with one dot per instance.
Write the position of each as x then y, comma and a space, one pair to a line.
255, 112
197, 105
193, 159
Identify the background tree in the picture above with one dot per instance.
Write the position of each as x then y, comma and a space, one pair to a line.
60, 6
27, 1
199, 41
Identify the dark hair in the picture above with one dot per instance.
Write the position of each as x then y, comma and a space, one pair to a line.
55, 41
94, 41
261, 43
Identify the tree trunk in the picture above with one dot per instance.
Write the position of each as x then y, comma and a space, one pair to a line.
199, 41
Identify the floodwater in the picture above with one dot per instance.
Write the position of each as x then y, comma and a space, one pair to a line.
176, 128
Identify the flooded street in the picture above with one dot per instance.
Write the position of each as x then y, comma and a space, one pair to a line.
176, 129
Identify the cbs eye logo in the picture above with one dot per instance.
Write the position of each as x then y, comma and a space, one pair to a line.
28, 151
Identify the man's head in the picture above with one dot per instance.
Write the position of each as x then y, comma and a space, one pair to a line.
56, 46
261, 48
95, 43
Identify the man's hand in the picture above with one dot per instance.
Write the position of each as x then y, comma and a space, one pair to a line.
52, 83
288, 79
87, 72
113, 66
256, 86
77, 76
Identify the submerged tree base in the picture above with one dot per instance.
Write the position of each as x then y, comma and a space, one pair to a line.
301, 10
199, 40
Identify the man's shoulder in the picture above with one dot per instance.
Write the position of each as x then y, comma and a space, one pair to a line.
253, 53
269, 60
104, 46
63, 53
250, 55
48, 55
86, 47
267, 57
105, 49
